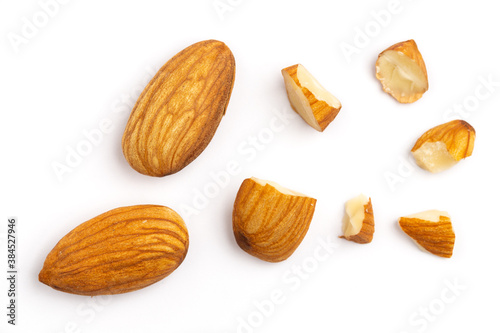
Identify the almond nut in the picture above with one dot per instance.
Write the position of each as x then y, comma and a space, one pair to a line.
122, 250
308, 97
358, 222
445, 145
179, 111
401, 70
431, 231
270, 221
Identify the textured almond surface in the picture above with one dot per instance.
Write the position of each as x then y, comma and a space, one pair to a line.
457, 135
359, 224
179, 111
269, 222
432, 231
309, 99
401, 71
122, 250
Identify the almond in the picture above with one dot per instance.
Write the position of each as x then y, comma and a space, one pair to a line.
122, 250
270, 221
445, 145
358, 222
401, 70
431, 230
308, 97
180, 109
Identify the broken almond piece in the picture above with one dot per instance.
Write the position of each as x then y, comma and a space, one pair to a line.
402, 72
358, 222
431, 231
443, 146
308, 97
270, 221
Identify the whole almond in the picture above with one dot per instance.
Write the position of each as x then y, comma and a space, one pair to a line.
180, 109
270, 221
122, 250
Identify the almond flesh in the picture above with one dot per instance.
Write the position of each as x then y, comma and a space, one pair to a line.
358, 221
123, 250
309, 99
432, 231
401, 70
270, 221
445, 145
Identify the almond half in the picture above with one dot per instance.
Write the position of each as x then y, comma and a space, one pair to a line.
308, 97
401, 70
431, 231
445, 145
358, 222
270, 221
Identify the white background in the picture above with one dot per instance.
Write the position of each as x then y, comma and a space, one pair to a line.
75, 71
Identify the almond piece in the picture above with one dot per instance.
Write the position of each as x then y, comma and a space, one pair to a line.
308, 98
443, 146
270, 221
402, 72
122, 250
431, 231
179, 111
358, 222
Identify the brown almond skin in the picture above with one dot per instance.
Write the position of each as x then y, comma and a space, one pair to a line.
458, 135
436, 237
268, 224
323, 112
365, 235
122, 250
179, 111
